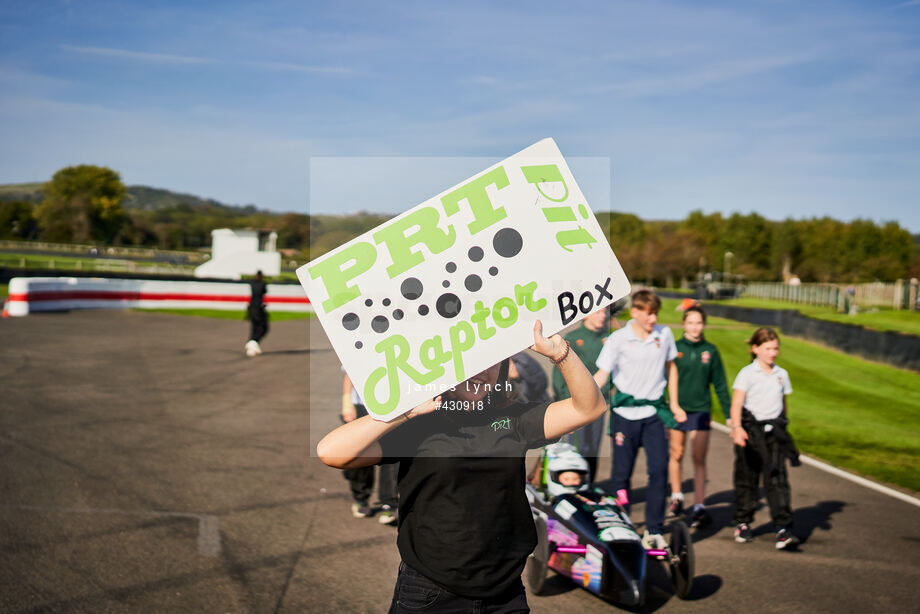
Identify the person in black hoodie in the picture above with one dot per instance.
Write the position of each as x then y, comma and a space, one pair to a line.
258, 317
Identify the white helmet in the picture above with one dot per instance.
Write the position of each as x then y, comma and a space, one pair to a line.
562, 457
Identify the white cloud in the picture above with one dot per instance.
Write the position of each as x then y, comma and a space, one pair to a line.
692, 80
139, 56
289, 67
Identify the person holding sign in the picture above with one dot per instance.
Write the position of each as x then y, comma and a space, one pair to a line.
640, 357
465, 526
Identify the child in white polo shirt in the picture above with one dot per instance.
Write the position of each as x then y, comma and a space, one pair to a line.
762, 444
640, 357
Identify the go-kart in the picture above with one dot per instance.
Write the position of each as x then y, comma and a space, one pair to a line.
589, 538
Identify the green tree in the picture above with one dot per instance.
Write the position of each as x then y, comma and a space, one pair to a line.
17, 220
82, 203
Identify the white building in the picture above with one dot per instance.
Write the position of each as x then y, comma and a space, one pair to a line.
235, 253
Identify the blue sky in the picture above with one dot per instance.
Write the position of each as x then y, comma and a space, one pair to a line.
787, 108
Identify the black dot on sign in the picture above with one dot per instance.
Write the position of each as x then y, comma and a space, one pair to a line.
446, 283
508, 242
475, 254
448, 305
359, 345
380, 324
368, 302
398, 314
411, 288
493, 271
351, 321
472, 283
386, 302
423, 310
451, 267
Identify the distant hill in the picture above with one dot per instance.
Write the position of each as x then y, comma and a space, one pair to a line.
139, 197
29, 192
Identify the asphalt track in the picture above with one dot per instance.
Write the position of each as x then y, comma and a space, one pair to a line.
147, 466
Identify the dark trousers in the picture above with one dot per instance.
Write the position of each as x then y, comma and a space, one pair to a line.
416, 593
749, 466
362, 484
258, 322
628, 437
361, 479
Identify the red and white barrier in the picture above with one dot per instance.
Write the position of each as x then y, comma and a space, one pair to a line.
31, 294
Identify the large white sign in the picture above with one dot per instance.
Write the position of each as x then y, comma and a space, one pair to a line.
454, 285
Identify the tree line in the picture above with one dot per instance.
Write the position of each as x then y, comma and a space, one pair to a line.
90, 204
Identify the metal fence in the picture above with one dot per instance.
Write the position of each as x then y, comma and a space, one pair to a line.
898, 295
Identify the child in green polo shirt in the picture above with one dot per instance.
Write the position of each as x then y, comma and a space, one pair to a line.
586, 341
699, 365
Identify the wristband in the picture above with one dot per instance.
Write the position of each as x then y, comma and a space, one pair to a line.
565, 354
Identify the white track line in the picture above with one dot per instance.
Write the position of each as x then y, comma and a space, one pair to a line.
844, 474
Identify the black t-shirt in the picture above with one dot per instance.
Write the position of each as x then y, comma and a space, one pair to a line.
464, 520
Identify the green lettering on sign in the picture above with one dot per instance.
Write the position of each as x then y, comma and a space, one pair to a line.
502, 319
432, 355
458, 345
580, 236
524, 296
395, 350
400, 242
480, 313
545, 173
474, 192
336, 275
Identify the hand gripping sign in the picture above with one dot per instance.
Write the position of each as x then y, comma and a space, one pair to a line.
454, 285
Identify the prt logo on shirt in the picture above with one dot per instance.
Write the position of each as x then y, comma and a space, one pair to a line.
504, 424
705, 356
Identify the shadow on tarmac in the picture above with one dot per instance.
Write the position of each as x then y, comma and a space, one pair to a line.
806, 519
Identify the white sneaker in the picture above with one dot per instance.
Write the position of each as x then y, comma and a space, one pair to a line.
252, 348
387, 515
654, 541
257, 347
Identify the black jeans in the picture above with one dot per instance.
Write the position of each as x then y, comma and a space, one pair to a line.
258, 322
416, 593
749, 466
